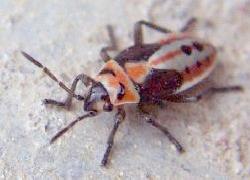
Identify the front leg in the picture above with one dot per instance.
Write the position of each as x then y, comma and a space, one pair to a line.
67, 103
180, 98
119, 117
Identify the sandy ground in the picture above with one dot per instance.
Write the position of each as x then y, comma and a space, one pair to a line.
67, 36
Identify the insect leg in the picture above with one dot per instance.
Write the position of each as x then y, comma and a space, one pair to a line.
138, 35
185, 99
189, 25
67, 103
112, 47
64, 130
51, 75
149, 119
180, 98
119, 117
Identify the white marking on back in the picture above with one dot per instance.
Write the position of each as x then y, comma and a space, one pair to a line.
162, 59
188, 84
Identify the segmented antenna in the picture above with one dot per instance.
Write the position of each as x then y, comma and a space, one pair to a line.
51, 75
78, 119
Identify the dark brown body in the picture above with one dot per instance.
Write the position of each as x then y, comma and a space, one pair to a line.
137, 53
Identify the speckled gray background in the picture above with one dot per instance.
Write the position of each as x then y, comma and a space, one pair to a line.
67, 36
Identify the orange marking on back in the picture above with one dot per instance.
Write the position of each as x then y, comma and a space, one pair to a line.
166, 57
172, 38
119, 76
136, 71
195, 71
112, 83
129, 96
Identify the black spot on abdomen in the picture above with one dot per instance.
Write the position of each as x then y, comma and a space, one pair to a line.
187, 70
198, 64
198, 46
186, 49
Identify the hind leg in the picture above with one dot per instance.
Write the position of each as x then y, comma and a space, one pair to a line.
138, 34
180, 98
189, 25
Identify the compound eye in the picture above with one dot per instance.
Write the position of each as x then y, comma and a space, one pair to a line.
107, 107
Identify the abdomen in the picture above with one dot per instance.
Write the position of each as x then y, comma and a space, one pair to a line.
193, 58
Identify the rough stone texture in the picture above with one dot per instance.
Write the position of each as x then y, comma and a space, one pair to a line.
67, 36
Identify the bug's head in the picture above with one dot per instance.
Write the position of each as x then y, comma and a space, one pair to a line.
97, 99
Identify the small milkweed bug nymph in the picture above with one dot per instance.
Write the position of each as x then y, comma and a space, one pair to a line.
144, 73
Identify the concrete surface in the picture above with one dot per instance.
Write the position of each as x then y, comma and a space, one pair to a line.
67, 36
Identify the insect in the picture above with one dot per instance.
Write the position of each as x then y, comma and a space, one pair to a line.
144, 73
